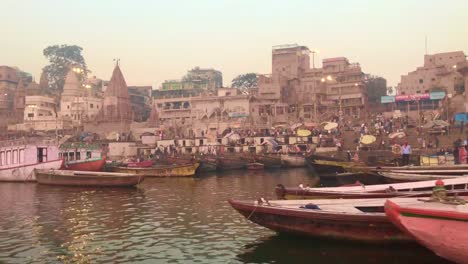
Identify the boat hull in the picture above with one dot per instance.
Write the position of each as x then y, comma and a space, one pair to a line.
76, 178
162, 171
392, 177
293, 161
27, 172
441, 231
86, 165
417, 189
255, 166
315, 223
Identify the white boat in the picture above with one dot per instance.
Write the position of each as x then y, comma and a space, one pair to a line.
20, 158
410, 177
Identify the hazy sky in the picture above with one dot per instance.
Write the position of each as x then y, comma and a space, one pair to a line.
160, 40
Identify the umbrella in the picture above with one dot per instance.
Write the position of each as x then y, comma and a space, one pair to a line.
303, 133
296, 126
270, 141
441, 123
397, 135
367, 139
330, 126
233, 136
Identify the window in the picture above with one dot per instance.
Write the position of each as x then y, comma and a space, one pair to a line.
30, 114
68, 107
88, 154
421, 81
2, 158
91, 105
15, 157
78, 155
71, 156
8, 158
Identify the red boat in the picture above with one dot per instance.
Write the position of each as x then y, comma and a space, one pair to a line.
96, 164
141, 164
354, 219
441, 227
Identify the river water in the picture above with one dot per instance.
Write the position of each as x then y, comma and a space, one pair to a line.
183, 220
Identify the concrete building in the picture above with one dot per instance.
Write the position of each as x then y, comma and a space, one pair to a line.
439, 72
295, 92
140, 99
12, 92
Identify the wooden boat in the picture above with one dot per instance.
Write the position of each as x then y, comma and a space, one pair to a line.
351, 177
270, 161
19, 158
141, 164
184, 170
207, 165
457, 185
438, 226
95, 164
324, 166
85, 178
231, 163
354, 219
255, 166
411, 177
293, 161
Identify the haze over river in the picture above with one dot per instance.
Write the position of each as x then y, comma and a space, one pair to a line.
165, 220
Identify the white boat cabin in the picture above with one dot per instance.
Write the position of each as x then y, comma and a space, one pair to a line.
17, 153
78, 151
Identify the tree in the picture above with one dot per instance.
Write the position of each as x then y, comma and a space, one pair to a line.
245, 81
376, 87
62, 58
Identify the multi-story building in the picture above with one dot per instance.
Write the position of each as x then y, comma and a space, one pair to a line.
439, 72
140, 98
197, 81
12, 92
296, 92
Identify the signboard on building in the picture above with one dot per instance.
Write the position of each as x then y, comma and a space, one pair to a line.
387, 99
412, 97
437, 95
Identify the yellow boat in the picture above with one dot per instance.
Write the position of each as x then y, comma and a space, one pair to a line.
185, 170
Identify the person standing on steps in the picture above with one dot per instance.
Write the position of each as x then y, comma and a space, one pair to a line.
405, 153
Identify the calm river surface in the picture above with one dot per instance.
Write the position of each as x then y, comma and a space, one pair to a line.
185, 220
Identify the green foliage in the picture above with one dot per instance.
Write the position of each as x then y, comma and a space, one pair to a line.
245, 81
376, 87
62, 58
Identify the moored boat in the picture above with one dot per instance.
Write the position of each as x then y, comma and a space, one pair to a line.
355, 219
184, 170
85, 178
293, 161
255, 166
438, 226
457, 185
140, 164
19, 158
93, 164
412, 177
231, 163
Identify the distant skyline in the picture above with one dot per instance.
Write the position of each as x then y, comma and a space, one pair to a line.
161, 40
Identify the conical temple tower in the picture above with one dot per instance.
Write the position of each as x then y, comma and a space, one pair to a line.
72, 87
116, 100
44, 82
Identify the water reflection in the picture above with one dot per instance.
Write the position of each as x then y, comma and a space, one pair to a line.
183, 220
291, 249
